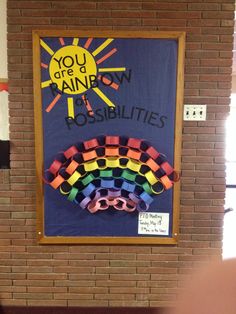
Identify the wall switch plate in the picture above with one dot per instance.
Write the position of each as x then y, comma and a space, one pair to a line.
194, 112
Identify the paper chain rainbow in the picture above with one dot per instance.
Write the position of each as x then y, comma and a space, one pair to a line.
112, 171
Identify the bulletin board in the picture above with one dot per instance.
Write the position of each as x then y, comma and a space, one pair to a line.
108, 123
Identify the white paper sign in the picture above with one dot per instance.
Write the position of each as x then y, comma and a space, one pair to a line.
4, 117
153, 223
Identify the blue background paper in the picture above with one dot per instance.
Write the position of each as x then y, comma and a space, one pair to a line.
153, 65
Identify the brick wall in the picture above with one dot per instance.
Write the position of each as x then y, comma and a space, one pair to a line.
117, 275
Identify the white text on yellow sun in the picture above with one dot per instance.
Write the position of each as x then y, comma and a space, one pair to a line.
73, 70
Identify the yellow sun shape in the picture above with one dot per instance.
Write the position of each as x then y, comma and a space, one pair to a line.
71, 67
73, 70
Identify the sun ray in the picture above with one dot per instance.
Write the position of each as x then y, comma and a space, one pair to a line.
46, 83
46, 47
111, 69
43, 65
103, 97
88, 106
75, 41
102, 46
70, 105
108, 82
88, 42
53, 103
108, 55
62, 42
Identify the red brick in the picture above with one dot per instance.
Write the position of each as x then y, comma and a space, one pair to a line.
218, 15
204, 6
119, 5
28, 21
206, 23
164, 22
179, 15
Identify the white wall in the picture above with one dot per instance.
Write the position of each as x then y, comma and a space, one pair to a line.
233, 83
3, 39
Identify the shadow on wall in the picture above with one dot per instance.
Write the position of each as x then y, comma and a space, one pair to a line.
212, 290
81, 310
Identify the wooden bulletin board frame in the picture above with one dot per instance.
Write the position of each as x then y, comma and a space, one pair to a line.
43, 51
